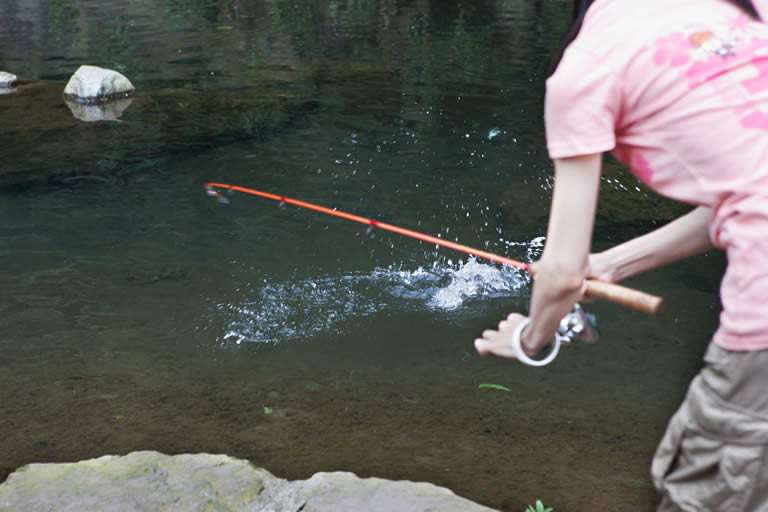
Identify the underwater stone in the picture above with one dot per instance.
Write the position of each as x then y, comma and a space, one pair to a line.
92, 84
6, 79
150, 480
109, 111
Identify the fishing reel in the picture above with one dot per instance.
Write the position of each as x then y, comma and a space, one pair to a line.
578, 324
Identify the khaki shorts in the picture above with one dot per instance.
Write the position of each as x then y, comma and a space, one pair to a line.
714, 454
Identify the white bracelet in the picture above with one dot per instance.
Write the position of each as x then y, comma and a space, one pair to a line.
520, 354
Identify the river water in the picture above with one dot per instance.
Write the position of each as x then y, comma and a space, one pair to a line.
138, 313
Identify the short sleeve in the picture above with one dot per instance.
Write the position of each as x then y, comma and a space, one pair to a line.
761, 6
581, 106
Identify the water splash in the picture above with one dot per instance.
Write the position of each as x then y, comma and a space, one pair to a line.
533, 248
297, 310
448, 288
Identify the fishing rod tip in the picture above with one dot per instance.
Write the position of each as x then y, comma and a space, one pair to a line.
220, 198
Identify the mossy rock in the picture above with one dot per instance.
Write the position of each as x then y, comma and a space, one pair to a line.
149, 480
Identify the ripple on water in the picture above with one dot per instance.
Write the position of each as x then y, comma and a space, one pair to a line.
296, 310
54, 275
39, 300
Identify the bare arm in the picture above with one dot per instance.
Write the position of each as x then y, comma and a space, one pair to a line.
559, 274
566, 261
679, 239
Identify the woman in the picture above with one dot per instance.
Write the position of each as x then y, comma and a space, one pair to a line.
678, 91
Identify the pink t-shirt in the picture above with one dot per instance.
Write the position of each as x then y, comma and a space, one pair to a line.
678, 90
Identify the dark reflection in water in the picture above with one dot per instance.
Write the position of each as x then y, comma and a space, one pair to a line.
137, 313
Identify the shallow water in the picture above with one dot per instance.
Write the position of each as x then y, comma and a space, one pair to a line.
138, 313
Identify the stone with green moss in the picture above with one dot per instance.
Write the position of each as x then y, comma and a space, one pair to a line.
204, 482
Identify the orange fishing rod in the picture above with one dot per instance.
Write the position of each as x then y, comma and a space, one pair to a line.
622, 295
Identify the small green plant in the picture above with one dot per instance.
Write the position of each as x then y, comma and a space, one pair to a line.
539, 507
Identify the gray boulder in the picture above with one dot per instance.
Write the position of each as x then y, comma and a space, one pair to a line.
204, 482
346, 492
92, 84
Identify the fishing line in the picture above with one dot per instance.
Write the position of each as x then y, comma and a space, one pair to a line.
619, 294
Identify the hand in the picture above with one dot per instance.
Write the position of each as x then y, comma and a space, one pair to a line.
499, 342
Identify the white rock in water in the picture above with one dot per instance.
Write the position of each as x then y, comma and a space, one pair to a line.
204, 482
92, 84
6, 79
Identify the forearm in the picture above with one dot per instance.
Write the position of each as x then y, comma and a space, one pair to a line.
555, 290
559, 274
679, 239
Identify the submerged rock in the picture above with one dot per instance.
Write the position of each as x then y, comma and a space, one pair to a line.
48, 146
204, 482
109, 111
92, 84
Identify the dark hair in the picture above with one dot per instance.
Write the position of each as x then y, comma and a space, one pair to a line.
580, 10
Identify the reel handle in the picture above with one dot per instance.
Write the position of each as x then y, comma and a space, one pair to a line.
625, 296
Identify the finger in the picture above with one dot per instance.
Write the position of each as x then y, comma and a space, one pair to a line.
481, 346
489, 334
495, 347
584, 296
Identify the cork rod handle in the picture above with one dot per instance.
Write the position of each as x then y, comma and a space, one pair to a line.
624, 296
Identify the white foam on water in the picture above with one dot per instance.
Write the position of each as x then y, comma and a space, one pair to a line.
285, 311
448, 288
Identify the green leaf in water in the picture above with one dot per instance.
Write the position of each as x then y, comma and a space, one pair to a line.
494, 386
267, 410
